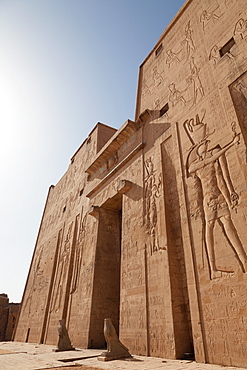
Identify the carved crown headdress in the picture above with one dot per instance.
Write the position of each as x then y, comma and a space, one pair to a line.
196, 129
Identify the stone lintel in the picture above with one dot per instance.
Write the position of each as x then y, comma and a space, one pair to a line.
123, 186
148, 115
115, 169
94, 210
117, 140
112, 203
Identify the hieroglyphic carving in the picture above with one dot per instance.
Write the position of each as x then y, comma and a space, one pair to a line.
78, 256
141, 313
188, 42
62, 268
126, 314
210, 166
206, 17
37, 279
240, 29
160, 340
194, 90
194, 79
214, 54
149, 166
158, 79
152, 192
172, 57
132, 273
54, 214
91, 148
238, 90
175, 95
145, 88
195, 209
87, 272
133, 313
186, 49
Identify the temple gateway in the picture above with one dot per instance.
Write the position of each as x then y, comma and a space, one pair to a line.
148, 225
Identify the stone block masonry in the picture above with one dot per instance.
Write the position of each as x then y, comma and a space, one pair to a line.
148, 225
8, 317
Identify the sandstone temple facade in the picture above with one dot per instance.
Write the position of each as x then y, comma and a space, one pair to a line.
8, 315
148, 225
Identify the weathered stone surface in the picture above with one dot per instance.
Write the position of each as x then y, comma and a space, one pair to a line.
8, 316
115, 349
64, 343
148, 224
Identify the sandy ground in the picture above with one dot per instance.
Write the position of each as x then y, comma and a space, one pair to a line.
33, 356
77, 367
5, 351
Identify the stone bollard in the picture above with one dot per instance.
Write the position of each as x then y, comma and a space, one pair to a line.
115, 349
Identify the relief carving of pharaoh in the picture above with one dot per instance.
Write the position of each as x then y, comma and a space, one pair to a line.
210, 167
152, 192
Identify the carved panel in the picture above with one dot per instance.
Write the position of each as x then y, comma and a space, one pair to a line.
37, 281
62, 270
172, 57
214, 55
238, 90
188, 42
175, 95
152, 186
240, 29
145, 88
207, 18
195, 81
78, 255
157, 77
218, 196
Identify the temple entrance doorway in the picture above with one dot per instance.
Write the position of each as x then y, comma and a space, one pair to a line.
106, 283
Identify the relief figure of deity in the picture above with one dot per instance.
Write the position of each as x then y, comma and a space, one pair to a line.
78, 255
206, 17
172, 57
188, 41
194, 79
175, 95
158, 79
241, 28
214, 54
210, 166
62, 269
152, 192
37, 281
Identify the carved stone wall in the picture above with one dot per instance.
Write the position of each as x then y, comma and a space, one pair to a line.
8, 317
197, 75
62, 264
148, 225
4, 303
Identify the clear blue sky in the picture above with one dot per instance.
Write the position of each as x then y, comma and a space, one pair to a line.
64, 66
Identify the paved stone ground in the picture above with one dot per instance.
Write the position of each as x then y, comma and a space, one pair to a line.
29, 356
